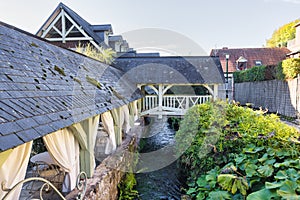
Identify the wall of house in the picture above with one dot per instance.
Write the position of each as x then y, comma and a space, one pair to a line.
282, 97
107, 176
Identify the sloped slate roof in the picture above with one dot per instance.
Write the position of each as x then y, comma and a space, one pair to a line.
172, 70
44, 88
87, 27
102, 27
268, 56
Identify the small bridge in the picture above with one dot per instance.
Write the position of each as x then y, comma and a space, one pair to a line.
172, 82
171, 105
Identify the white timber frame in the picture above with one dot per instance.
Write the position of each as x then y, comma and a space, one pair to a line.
161, 104
64, 32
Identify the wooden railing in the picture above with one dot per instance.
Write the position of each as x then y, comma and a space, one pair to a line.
174, 101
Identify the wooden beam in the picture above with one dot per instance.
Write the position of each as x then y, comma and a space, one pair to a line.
153, 88
63, 26
167, 88
51, 25
69, 39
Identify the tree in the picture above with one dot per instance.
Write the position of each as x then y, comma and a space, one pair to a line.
282, 35
103, 55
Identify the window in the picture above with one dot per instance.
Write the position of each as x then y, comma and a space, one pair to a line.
258, 63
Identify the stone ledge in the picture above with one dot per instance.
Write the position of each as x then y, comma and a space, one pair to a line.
104, 183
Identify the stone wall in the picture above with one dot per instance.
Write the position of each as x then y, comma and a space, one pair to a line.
104, 183
282, 97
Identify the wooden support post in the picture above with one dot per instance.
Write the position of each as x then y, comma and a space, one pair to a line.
86, 133
160, 100
215, 95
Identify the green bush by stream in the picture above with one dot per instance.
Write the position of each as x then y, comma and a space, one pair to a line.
232, 152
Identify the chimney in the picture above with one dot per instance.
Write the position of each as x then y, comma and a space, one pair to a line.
225, 48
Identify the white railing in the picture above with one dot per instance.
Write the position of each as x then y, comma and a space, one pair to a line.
174, 101
184, 101
150, 102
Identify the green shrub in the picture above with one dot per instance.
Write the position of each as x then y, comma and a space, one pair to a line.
279, 72
291, 67
238, 152
256, 73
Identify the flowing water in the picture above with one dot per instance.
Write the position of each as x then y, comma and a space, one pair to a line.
161, 177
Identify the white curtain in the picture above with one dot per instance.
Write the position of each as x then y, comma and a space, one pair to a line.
64, 150
126, 117
13, 169
108, 124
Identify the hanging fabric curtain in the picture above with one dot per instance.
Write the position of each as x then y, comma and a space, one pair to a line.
4, 155
13, 169
126, 117
108, 124
64, 150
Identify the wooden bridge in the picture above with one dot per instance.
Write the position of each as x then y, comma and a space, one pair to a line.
171, 105
162, 74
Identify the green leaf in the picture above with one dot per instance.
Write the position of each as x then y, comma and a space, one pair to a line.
272, 185
191, 191
250, 170
253, 149
201, 182
201, 196
226, 181
266, 170
264, 194
270, 162
240, 159
219, 195
281, 175
288, 190
263, 158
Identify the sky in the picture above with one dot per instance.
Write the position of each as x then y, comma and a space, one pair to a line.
209, 24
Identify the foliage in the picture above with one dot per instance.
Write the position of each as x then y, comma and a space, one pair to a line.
103, 55
291, 67
256, 73
255, 157
126, 187
279, 72
282, 35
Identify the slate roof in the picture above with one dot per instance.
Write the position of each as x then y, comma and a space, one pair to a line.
44, 88
87, 27
172, 70
102, 27
268, 56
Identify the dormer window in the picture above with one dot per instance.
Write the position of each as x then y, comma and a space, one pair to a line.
241, 63
258, 63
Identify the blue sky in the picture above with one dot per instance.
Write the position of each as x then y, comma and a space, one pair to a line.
210, 23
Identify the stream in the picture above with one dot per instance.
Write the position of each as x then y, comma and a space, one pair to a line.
160, 177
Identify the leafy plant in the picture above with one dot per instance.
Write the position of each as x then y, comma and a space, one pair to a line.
255, 155
126, 188
256, 73
103, 55
291, 67
282, 35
